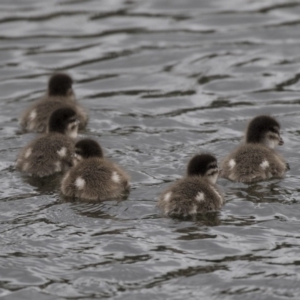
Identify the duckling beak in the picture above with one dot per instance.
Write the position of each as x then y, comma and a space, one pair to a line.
281, 142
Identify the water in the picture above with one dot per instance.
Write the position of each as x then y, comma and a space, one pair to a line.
162, 80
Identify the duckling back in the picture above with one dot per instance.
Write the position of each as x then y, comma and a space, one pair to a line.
95, 179
46, 155
189, 196
253, 162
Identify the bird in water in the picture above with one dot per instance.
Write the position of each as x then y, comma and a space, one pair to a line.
195, 193
60, 94
53, 151
94, 177
257, 158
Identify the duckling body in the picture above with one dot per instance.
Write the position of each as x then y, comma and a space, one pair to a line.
256, 160
190, 196
60, 94
253, 162
196, 192
46, 155
94, 177
52, 152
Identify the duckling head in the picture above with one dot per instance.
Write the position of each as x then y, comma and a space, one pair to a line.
204, 165
64, 120
87, 148
264, 130
60, 84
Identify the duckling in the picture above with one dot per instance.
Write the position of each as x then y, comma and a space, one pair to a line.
94, 177
257, 160
52, 152
196, 192
60, 94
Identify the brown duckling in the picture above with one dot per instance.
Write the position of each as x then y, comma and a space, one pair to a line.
94, 177
53, 151
60, 94
256, 160
195, 193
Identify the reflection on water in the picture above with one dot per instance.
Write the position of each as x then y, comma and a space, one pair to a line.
162, 80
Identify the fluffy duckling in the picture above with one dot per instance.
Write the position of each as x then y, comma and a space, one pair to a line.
196, 192
257, 160
53, 151
60, 94
94, 177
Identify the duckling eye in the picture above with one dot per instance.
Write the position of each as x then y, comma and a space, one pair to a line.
273, 136
79, 152
71, 120
213, 166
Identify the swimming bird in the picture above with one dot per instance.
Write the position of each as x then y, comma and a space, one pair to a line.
53, 151
94, 177
256, 159
195, 193
60, 94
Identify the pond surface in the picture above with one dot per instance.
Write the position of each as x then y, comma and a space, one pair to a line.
162, 81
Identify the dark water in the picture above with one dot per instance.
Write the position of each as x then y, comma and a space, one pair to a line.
162, 80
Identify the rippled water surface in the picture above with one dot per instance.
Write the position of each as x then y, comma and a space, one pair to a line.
162, 80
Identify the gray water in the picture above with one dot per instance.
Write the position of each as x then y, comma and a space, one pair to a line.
162, 81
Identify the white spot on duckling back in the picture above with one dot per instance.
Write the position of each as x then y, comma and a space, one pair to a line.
231, 164
28, 152
25, 167
200, 197
265, 164
167, 196
57, 166
115, 177
32, 115
193, 210
80, 183
62, 152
